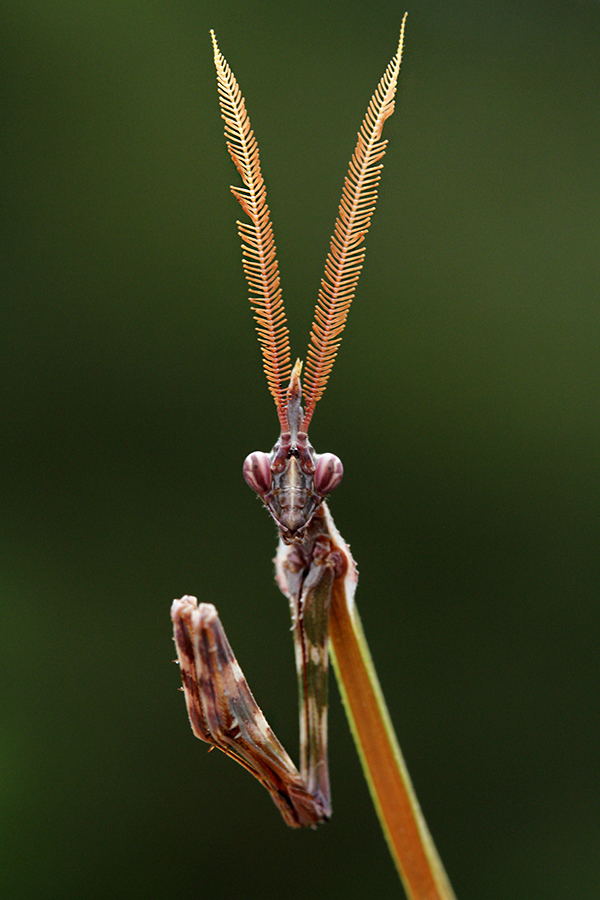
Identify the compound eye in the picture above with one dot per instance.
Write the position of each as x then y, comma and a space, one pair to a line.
328, 473
257, 472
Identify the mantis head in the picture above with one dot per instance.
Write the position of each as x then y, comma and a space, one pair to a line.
292, 480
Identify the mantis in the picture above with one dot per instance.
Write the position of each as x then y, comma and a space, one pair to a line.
314, 567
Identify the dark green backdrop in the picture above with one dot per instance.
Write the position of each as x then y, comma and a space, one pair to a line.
464, 404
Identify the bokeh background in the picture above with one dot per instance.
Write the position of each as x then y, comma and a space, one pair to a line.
464, 404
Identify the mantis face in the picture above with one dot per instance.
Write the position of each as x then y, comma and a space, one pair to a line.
292, 480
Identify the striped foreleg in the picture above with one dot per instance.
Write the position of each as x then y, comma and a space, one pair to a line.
224, 713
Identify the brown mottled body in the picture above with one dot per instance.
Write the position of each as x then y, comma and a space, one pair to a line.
221, 707
306, 573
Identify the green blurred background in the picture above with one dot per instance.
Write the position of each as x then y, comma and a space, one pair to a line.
464, 404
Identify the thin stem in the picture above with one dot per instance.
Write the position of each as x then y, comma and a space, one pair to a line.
406, 832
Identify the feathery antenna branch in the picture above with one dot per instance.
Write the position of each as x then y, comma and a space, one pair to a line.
258, 245
347, 250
